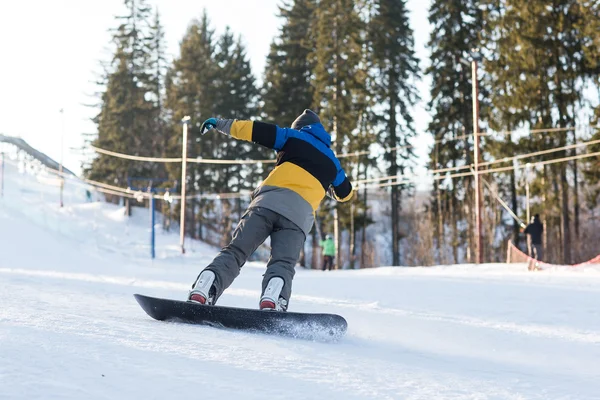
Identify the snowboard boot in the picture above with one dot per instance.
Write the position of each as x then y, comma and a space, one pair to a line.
203, 291
270, 299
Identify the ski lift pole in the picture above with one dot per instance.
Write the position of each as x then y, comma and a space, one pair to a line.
152, 222
527, 191
475, 57
185, 121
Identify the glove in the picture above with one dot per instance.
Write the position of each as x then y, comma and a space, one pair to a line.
330, 193
207, 125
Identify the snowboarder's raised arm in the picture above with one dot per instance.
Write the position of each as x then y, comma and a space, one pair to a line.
267, 135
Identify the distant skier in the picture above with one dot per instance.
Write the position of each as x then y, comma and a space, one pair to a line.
328, 246
282, 207
535, 230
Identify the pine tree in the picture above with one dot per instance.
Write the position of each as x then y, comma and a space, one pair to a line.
191, 91
339, 81
589, 29
395, 69
212, 78
242, 102
287, 88
363, 165
155, 46
538, 63
511, 97
126, 119
339, 78
237, 97
456, 25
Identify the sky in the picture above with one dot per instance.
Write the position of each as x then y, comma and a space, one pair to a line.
51, 54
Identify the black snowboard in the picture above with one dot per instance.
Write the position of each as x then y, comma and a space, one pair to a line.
326, 327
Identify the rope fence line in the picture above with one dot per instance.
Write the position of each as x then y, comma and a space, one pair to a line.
98, 186
460, 137
409, 179
270, 161
487, 163
359, 185
540, 130
392, 149
178, 159
540, 152
137, 194
382, 185
344, 155
136, 158
547, 162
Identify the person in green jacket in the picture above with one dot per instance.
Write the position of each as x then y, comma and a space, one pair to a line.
328, 246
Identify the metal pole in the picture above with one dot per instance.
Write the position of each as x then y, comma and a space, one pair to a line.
185, 122
527, 192
60, 166
352, 236
152, 234
527, 201
336, 264
478, 231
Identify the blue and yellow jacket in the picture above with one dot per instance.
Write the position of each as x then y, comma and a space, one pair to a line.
305, 171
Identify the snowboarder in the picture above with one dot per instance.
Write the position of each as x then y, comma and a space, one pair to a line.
282, 206
328, 246
535, 230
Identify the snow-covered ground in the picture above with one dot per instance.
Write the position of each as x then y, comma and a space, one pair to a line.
71, 329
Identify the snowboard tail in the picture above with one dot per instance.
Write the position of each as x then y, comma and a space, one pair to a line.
324, 327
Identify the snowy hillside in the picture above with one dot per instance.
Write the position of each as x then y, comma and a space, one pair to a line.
71, 329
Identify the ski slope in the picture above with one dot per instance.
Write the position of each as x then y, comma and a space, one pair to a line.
71, 329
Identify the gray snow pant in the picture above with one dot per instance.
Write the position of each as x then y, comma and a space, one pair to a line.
256, 225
